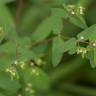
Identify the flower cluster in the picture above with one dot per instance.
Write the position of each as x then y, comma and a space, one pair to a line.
34, 71
12, 71
29, 89
84, 50
20, 63
75, 10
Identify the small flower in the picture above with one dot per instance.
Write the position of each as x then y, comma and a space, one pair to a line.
39, 61
80, 10
29, 85
70, 9
7, 70
32, 91
79, 50
22, 64
34, 71
73, 9
72, 12
16, 62
94, 44
82, 51
81, 38
27, 89
12, 71
32, 63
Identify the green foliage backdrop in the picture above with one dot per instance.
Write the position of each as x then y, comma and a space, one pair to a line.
47, 48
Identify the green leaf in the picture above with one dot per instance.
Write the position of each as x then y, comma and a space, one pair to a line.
36, 77
57, 25
7, 54
57, 50
58, 15
40, 49
52, 2
26, 54
1, 94
92, 56
24, 49
53, 23
60, 46
70, 46
24, 42
89, 33
43, 31
7, 22
29, 20
78, 21
42, 78
7, 84
57, 2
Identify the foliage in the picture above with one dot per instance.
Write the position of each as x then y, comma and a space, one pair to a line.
46, 47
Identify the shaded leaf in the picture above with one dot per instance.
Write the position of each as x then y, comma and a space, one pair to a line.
9, 85
92, 56
57, 50
1, 94
78, 21
7, 22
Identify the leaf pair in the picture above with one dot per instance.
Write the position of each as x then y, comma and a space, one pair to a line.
52, 23
60, 46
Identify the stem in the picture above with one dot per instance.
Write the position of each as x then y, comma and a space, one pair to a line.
51, 38
19, 7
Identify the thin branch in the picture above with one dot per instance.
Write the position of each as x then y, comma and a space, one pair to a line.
19, 7
51, 38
